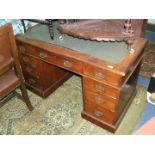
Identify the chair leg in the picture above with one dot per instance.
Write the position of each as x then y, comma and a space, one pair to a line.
23, 24
6, 99
25, 97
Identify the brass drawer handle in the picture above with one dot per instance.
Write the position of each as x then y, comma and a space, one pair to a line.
43, 55
67, 64
99, 100
99, 89
99, 75
22, 49
32, 81
28, 69
25, 59
98, 113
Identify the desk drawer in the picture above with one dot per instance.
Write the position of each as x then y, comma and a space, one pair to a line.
100, 112
33, 81
27, 49
67, 63
63, 62
36, 52
103, 75
27, 60
30, 65
100, 88
104, 101
31, 72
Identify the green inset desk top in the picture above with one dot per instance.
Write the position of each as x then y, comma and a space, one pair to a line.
109, 51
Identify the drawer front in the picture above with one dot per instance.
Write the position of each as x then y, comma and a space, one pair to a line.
101, 100
31, 71
27, 60
100, 112
67, 63
27, 49
103, 75
36, 52
100, 88
30, 66
32, 81
63, 62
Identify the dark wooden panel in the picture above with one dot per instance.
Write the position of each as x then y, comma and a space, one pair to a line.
41, 77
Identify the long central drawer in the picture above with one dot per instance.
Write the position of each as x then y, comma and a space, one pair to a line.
63, 62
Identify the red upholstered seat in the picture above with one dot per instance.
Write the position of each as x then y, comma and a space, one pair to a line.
8, 82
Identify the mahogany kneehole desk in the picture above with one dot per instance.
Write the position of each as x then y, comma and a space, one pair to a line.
109, 71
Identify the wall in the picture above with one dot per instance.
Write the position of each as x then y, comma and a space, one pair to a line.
151, 21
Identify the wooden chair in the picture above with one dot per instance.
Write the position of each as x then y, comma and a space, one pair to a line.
11, 76
48, 22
